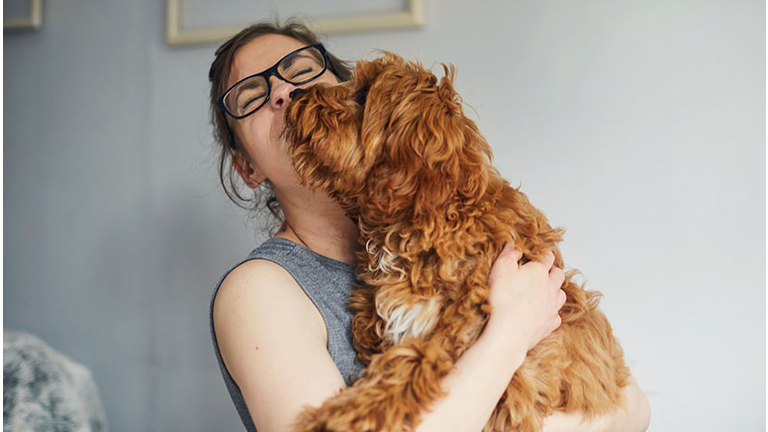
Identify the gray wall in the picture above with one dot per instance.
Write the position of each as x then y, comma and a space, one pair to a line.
638, 126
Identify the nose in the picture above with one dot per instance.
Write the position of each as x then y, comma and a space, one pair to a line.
282, 92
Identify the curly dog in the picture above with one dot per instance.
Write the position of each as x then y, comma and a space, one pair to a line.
394, 148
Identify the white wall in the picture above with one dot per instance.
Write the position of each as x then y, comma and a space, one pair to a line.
638, 126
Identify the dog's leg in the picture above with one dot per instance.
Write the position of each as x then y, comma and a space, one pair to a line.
405, 379
391, 394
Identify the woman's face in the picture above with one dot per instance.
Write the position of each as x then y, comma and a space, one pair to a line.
260, 132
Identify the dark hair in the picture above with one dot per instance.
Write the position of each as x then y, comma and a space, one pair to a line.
227, 144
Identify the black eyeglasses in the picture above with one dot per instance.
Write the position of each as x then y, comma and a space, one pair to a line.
252, 92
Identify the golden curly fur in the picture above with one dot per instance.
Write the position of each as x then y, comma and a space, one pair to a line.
394, 147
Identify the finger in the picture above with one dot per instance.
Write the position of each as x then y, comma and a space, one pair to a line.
558, 275
558, 322
547, 260
550, 259
517, 254
512, 251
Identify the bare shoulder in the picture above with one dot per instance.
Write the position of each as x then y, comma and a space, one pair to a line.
262, 287
262, 290
273, 341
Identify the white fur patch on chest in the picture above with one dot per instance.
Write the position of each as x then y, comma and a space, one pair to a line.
405, 315
405, 319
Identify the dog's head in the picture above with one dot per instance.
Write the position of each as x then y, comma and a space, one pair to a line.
393, 142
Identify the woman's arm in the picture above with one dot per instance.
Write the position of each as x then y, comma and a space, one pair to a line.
273, 341
475, 385
484, 371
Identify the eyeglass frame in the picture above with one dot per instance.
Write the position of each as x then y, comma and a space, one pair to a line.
267, 74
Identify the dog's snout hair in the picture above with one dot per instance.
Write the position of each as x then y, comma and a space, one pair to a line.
361, 97
297, 93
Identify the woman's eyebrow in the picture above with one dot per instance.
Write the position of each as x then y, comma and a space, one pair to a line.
289, 61
251, 83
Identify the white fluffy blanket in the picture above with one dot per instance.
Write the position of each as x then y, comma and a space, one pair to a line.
45, 391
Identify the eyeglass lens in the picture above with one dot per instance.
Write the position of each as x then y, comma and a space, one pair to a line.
301, 67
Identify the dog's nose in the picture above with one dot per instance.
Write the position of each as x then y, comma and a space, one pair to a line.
297, 92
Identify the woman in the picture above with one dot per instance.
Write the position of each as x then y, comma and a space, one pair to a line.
279, 321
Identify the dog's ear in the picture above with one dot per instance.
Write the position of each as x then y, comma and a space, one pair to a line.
366, 72
374, 90
460, 152
434, 154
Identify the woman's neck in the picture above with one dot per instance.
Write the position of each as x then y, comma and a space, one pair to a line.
320, 224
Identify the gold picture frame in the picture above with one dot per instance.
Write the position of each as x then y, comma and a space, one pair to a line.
32, 22
411, 17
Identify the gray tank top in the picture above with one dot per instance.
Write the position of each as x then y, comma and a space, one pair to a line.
327, 283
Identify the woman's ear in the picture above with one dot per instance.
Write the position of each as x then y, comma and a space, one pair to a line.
250, 174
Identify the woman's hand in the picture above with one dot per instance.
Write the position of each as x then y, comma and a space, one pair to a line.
525, 298
524, 301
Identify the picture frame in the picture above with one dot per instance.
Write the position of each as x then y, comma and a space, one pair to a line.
413, 16
33, 21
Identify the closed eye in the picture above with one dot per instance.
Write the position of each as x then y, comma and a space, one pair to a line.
298, 74
251, 101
